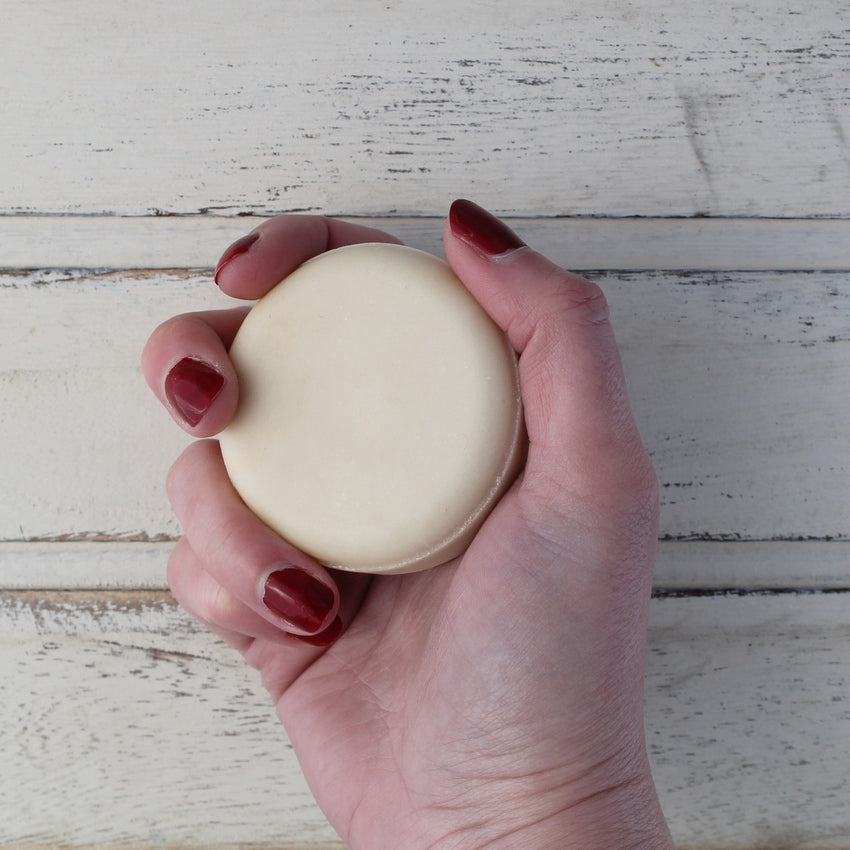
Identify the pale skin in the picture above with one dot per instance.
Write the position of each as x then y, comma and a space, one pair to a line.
494, 701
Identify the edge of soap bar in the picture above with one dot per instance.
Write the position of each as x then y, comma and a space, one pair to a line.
455, 542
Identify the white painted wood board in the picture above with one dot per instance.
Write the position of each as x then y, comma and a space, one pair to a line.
606, 108
125, 725
605, 131
748, 720
196, 242
725, 387
740, 382
129, 726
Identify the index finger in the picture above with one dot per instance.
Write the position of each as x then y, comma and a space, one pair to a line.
198, 343
252, 265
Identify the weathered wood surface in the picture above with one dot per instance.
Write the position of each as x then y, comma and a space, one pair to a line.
605, 108
740, 382
139, 139
747, 718
196, 242
746, 693
124, 724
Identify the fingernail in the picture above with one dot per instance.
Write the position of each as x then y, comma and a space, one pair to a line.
481, 230
325, 637
295, 596
239, 247
192, 386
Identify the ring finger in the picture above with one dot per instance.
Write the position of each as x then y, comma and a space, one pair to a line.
275, 581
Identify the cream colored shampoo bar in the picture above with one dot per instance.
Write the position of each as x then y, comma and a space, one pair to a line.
379, 418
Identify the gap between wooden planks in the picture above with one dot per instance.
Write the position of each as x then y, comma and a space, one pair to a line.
681, 566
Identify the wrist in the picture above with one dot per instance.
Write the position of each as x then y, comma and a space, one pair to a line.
626, 817
622, 815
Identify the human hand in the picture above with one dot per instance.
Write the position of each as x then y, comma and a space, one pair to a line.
495, 700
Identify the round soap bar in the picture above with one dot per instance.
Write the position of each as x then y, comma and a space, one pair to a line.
379, 415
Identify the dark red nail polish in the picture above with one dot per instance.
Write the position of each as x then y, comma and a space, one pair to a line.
240, 246
295, 596
481, 230
192, 386
325, 637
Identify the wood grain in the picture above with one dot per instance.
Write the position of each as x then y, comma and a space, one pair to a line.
744, 695
611, 108
740, 383
196, 242
692, 158
129, 726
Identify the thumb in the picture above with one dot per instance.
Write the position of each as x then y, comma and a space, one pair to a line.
582, 436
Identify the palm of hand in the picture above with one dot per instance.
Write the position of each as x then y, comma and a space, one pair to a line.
430, 702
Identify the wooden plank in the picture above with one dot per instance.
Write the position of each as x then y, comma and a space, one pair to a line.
681, 565
130, 727
711, 565
747, 719
732, 108
740, 382
723, 381
187, 242
84, 565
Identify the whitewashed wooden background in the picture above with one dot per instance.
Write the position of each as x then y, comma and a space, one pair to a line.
692, 157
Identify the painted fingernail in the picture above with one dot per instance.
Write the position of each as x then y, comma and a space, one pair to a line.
295, 596
192, 386
239, 247
481, 230
325, 637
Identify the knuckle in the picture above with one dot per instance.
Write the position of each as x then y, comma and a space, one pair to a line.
184, 469
631, 487
634, 512
176, 565
579, 299
175, 324
642, 507
172, 478
219, 606
167, 331
224, 539
197, 591
616, 495
175, 478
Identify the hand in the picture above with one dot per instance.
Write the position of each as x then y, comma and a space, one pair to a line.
496, 700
